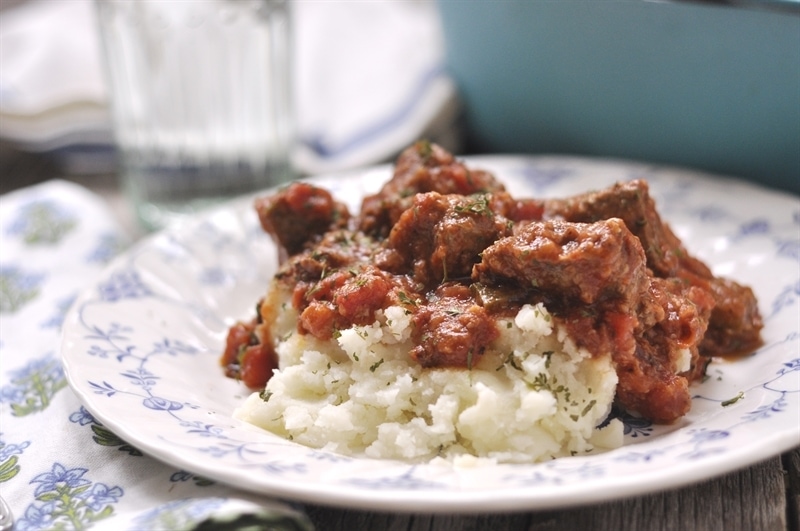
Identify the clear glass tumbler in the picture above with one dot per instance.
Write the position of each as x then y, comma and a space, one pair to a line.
200, 98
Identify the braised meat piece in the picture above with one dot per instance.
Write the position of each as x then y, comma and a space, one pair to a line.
594, 279
423, 167
631, 202
569, 264
298, 214
451, 330
675, 318
654, 376
337, 249
735, 324
440, 237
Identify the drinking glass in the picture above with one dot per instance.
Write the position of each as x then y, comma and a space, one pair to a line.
201, 100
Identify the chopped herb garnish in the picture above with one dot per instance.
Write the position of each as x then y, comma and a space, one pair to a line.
312, 290
424, 149
733, 400
511, 360
540, 383
405, 299
479, 205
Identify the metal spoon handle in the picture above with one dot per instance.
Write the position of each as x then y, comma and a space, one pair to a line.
6, 518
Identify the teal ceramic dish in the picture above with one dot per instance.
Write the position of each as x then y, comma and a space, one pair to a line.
710, 86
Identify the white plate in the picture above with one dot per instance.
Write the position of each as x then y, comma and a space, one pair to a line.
141, 349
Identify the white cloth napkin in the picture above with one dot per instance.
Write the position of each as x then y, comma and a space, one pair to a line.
59, 467
370, 79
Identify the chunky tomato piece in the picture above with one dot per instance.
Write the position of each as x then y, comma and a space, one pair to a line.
257, 364
248, 357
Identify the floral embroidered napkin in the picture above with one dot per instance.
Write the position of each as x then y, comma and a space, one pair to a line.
59, 467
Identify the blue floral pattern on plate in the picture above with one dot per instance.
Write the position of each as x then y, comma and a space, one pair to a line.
141, 350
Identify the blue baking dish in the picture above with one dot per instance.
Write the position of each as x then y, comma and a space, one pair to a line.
714, 86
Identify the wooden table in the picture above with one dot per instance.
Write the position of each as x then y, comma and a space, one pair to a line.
763, 497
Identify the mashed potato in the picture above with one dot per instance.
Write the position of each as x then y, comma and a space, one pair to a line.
532, 396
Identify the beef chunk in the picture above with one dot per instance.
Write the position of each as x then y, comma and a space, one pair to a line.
735, 323
594, 278
451, 330
299, 214
440, 237
423, 167
570, 264
631, 202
